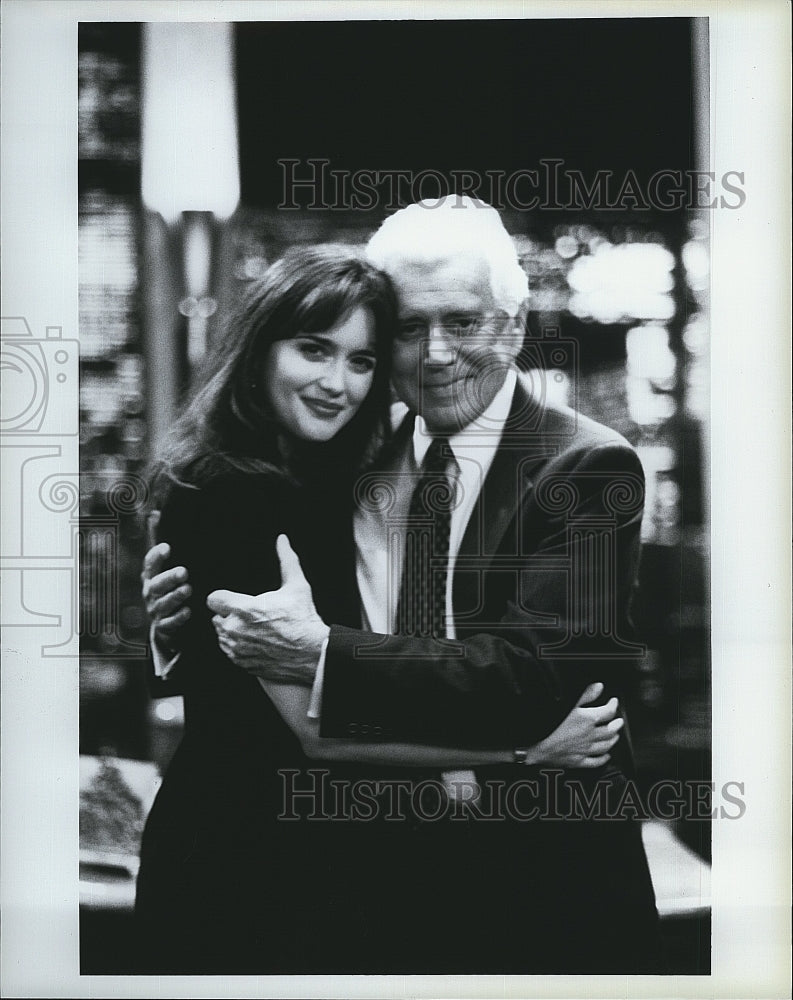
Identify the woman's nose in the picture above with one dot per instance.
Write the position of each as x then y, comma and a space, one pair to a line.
440, 348
332, 378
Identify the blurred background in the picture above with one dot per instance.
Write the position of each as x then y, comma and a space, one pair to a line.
183, 134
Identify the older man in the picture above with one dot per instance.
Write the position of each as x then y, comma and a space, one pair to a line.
496, 553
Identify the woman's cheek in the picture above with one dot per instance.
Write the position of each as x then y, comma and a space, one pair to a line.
364, 386
298, 368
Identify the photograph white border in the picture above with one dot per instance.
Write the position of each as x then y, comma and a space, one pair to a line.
749, 508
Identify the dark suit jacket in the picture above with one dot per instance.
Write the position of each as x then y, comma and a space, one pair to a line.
541, 597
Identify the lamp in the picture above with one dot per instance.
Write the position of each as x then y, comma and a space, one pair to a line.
189, 128
189, 184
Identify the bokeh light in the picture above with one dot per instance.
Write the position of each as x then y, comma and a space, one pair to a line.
623, 282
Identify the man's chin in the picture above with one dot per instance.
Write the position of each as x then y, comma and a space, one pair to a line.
451, 417
448, 409
446, 421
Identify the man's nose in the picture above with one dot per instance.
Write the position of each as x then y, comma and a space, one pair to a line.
440, 346
332, 378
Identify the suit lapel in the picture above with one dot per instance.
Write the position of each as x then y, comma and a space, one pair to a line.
494, 523
525, 447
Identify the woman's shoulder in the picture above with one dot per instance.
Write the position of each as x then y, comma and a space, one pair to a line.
228, 495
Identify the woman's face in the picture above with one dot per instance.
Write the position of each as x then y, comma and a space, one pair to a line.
316, 382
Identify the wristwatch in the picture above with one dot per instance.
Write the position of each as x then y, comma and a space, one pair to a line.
519, 756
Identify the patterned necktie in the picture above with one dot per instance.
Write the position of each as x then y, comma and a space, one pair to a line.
422, 594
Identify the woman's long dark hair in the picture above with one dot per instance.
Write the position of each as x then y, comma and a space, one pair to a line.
228, 425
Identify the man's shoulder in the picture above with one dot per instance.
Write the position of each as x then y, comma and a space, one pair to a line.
561, 425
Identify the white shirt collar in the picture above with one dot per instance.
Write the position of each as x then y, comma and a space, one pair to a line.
484, 432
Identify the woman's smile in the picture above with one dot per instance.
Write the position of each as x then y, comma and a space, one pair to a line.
323, 408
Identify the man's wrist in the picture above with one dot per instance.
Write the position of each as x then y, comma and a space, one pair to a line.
525, 755
313, 652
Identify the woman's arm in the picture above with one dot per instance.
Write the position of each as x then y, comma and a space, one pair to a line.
583, 739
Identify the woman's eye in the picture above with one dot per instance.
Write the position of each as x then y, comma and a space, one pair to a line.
314, 352
362, 365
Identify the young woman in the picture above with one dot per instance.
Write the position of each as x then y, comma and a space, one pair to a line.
293, 406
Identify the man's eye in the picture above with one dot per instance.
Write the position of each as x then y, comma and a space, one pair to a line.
410, 328
463, 324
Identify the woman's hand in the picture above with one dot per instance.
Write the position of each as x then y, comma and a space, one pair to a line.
585, 737
165, 593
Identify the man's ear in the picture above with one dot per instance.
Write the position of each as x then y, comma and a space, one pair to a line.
514, 333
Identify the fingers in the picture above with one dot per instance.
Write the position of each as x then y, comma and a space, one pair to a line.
163, 584
605, 737
601, 715
291, 570
154, 560
226, 641
227, 645
167, 605
597, 760
165, 627
592, 693
230, 625
227, 628
235, 648
152, 523
600, 744
223, 602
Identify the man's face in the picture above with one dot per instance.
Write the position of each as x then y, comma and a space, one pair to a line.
455, 342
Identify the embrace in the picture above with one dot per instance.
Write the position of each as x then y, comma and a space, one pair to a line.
386, 562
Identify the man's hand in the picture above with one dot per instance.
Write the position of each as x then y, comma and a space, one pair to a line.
278, 635
585, 737
165, 593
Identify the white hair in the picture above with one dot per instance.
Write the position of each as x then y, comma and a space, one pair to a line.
458, 226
